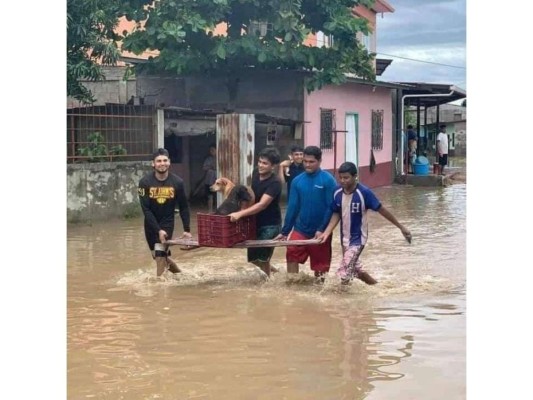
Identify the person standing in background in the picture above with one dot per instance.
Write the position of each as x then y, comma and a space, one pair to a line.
210, 176
442, 149
411, 146
291, 168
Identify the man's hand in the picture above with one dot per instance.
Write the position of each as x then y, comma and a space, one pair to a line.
162, 236
281, 237
234, 217
322, 236
186, 235
407, 235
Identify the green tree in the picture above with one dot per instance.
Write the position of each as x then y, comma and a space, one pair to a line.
263, 34
92, 40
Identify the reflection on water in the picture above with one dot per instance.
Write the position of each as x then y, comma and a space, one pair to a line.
218, 331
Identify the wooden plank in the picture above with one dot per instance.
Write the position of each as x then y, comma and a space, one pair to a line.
182, 242
275, 243
248, 243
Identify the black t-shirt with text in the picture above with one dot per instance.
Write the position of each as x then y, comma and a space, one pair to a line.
159, 199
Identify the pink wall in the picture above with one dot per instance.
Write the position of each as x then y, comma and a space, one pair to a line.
350, 98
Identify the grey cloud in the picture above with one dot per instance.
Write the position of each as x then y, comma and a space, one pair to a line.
435, 29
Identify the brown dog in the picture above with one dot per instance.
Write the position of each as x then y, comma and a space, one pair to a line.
232, 193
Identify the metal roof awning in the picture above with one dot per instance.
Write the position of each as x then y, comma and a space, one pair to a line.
381, 65
430, 94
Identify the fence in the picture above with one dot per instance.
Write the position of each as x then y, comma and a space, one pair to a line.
110, 132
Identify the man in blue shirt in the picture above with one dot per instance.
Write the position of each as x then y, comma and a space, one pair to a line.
308, 214
349, 206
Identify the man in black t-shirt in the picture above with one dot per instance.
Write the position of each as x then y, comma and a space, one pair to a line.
267, 189
160, 192
290, 169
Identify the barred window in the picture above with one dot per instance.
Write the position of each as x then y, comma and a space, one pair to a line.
327, 127
377, 129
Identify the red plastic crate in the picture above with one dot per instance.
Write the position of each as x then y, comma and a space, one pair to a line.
219, 231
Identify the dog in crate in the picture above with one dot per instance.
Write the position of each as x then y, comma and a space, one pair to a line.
235, 197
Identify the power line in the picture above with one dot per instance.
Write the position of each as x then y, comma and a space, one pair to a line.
325, 42
422, 61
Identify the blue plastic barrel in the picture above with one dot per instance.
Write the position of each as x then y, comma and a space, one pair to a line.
421, 169
421, 166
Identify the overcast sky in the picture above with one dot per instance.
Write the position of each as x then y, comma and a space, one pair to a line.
427, 30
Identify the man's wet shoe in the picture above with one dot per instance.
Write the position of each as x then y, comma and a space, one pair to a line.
366, 278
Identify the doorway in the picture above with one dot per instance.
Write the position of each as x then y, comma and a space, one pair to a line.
352, 138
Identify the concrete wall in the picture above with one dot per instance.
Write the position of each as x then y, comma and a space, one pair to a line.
113, 90
460, 138
97, 191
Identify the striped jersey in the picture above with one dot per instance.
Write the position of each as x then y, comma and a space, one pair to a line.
352, 210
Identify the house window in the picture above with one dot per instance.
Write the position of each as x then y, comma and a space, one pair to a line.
327, 127
367, 41
258, 28
272, 134
323, 40
377, 129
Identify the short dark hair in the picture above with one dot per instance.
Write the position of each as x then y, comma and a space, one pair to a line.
160, 152
313, 151
213, 145
409, 126
348, 167
271, 154
297, 148
442, 126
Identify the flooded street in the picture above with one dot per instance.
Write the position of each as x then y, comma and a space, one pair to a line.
218, 331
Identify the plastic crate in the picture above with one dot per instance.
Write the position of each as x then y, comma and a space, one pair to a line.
219, 231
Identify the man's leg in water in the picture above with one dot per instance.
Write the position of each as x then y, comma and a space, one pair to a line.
261, 256
296, 255
172, 266
163, 262
264, 266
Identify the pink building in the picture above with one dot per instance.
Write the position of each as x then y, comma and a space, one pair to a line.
356, 111
360, 114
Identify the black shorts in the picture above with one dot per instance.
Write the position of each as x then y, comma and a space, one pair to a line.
153, 237
443, 160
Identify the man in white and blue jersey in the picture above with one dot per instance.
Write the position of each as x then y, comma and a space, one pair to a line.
351, 200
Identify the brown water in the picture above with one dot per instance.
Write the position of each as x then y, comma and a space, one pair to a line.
218, 331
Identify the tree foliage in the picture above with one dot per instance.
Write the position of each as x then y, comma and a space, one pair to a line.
182, 33
91, 42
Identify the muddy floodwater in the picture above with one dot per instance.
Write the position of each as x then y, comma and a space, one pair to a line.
218, 331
